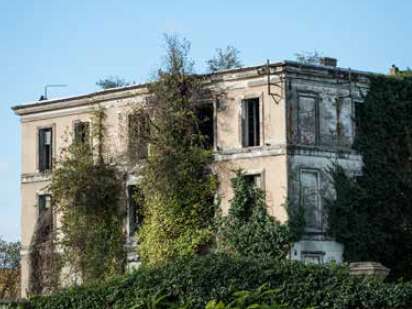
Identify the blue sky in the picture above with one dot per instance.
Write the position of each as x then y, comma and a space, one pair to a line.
78, 42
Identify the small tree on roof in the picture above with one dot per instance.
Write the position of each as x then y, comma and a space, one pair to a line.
224, 59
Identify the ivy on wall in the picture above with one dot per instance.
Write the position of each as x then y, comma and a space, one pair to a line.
372, 215
86, 194
177, 183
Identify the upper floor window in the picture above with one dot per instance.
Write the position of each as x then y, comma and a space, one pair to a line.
310, 199
45, 149
358, 109
250, 122
205, 116
81, 132
308, 121
138, 130
45, 214
44, 203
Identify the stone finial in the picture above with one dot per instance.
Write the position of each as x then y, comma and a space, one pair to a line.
394, 70
373, 269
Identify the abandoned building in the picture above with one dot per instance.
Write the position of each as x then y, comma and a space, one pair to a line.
283, 123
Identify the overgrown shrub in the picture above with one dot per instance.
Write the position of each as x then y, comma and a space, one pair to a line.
248, 229
196, 281
177, 184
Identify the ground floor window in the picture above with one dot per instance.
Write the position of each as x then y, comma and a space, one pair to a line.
135, 209
310, 199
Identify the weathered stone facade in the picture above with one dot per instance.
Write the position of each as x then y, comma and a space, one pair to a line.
283, 123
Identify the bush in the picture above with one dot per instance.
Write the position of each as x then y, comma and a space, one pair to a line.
248, 230
196, 281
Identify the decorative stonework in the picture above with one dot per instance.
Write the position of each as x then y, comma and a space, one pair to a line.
373, 269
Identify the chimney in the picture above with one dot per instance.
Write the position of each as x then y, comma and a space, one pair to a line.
329, 62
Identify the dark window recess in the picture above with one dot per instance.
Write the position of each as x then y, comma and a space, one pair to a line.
135, 209
45, 214
138, 127
44, 203
204, 114
359, 110
82, 132
250, 123
45, 149
254, 180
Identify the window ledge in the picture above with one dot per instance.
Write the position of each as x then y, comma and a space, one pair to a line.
35, 177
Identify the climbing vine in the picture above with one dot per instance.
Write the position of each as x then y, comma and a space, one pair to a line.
86, 193
372, 215
177, 183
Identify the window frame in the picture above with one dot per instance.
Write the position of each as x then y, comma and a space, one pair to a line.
137, 155
88, 139
40, 168
212, 105
41, 209
314, 254
259, 173
316, 98
244, 116
319, 207
133, 227
356, 117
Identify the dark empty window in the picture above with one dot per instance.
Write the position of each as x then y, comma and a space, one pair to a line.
135, 209
44, 203
138, 126
254, 180
45, 149
358, 111
206, 125
250, 123
308, 122
81, 132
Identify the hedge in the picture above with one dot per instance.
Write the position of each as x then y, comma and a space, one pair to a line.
196, 281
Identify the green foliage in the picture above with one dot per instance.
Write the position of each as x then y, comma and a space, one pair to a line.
396, 72
308, 57
261, 298
9, 269
112, 82
177, 184
86, 195
372, 215
195, 282
9, 254
224, 60
248, 229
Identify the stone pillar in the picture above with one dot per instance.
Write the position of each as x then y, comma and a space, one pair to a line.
373, 269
